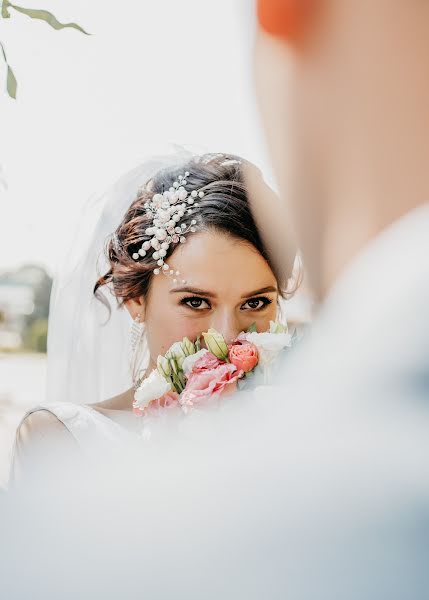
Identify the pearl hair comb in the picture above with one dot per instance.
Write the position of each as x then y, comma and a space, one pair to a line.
166, 212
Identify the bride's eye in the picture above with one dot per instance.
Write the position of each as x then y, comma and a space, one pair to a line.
256, 303
195, 303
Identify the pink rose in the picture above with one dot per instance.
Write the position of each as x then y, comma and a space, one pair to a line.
244, 356
208, 383
168, 399
207, 362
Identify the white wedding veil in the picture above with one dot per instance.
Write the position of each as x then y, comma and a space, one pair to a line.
88, 349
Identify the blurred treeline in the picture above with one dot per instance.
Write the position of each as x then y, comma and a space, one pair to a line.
24, 309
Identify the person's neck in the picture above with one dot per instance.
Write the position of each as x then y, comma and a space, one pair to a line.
359, 220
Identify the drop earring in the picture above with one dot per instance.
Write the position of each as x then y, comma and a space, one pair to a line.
136, 332
136, 335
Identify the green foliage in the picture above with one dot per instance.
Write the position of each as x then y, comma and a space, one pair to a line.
11, 84
36, 336
5, 10
41, 15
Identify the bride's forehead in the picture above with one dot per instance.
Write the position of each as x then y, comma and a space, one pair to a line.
216, 249
215, 258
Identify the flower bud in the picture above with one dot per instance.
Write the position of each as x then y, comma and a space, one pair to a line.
177, 353
216, 344
188, 347
163, 366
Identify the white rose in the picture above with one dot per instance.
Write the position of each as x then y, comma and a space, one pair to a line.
269, 345
188, 363
151, 388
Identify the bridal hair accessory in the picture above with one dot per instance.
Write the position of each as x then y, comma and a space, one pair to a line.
166, 212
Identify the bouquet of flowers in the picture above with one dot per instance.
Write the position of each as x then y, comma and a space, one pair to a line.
189, 375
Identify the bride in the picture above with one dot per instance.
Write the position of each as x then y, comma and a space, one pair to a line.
211, 270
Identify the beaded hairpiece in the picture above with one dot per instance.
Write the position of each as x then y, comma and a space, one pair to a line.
166, 210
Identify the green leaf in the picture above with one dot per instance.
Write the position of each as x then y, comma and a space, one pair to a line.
11, 83
252, 328
46, 16
5, 9
182, 380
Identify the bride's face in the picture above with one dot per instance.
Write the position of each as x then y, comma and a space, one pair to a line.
229, 286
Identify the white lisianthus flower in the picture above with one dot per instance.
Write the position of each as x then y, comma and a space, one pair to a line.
151, 388
188, 363
269, 345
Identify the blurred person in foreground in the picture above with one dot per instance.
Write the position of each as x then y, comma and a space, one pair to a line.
343, 90
321, 491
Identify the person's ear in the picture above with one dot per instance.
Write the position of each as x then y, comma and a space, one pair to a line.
283, 18
136, 308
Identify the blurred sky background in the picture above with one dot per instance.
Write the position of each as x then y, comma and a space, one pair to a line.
91, 107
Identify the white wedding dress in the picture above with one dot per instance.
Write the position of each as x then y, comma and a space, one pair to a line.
85, 424
64, 431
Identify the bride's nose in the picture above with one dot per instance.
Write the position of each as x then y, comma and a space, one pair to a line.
226, 323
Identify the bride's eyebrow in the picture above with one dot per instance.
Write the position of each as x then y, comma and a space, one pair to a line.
264, 290
199, 292
192, 290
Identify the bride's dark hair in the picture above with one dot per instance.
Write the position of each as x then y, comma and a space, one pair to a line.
224, 208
